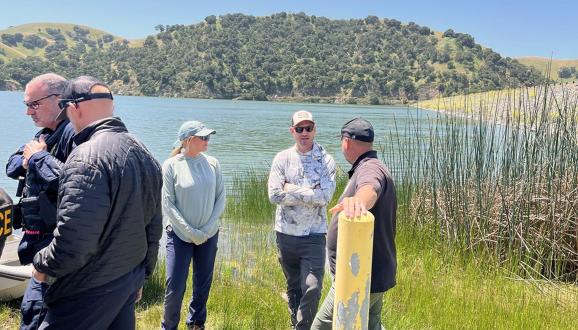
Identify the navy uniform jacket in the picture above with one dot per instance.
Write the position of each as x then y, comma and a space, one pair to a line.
38, 203
44, 166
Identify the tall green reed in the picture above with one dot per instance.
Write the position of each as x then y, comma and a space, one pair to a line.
499, 177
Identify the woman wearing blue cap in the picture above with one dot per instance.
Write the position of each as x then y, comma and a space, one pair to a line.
193, 200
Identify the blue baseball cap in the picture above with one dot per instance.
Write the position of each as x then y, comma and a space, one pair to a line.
192, 128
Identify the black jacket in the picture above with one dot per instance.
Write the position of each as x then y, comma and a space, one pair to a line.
109, 212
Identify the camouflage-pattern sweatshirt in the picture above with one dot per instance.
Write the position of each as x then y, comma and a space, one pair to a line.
310, 179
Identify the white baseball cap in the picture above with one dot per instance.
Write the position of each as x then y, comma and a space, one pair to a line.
302, 115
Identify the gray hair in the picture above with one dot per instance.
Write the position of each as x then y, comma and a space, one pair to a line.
55, 84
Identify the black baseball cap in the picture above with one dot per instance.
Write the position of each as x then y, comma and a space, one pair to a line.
78, 90
358, 129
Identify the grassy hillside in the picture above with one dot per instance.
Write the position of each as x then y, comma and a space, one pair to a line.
542, 64
283, 56
523, 103
67, 36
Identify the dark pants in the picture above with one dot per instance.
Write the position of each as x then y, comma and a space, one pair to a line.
302, 259
179, 255
32, 307
109, 306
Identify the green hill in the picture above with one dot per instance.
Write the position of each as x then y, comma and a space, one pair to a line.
555, 67
40, 39
280, 57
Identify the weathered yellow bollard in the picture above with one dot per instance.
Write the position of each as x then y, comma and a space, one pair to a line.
353, 272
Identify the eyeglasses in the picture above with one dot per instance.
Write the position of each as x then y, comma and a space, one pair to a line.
34, 105
63, 103
299, 129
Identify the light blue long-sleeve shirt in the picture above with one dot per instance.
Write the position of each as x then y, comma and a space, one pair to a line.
301, 185
193, 196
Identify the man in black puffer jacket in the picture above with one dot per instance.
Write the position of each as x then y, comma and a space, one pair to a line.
109, 218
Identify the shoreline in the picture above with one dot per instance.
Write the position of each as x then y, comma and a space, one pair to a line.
521, 101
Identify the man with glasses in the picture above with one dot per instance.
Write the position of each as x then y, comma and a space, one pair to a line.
301, 183
109, 218
37, 165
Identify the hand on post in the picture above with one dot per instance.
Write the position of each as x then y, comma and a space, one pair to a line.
352, 206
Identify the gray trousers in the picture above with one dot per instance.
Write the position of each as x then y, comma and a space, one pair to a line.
302, 259
324, 318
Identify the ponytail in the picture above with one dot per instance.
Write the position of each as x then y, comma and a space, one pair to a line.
175, 151
178, 149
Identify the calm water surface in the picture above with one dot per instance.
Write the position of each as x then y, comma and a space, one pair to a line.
249, 134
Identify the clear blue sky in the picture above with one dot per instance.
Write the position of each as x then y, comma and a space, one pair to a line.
513, 28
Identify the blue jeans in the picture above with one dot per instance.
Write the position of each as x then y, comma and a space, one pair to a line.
179, 256
32, 307
109, 306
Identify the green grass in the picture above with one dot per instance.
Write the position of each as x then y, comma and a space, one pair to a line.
438, 287
549, 66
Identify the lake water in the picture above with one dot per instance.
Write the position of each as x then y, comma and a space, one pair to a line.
249, 134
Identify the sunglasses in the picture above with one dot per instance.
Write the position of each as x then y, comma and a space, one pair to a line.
203, 138
34, 105
63, 103
299, 129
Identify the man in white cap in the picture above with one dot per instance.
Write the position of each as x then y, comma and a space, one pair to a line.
301, 183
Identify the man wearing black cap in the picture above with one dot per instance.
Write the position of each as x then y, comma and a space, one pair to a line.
37, 166
109, 218
370, 187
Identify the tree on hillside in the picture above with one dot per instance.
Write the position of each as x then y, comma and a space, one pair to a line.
212, 19
33, 41
12, 39
449, 34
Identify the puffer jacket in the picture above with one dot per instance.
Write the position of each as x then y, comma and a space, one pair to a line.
109, 212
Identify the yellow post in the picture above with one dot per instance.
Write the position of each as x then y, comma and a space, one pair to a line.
353, 272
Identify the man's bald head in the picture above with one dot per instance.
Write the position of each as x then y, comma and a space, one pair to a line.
86, 100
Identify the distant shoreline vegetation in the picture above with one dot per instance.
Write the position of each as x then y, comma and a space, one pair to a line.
284, 56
